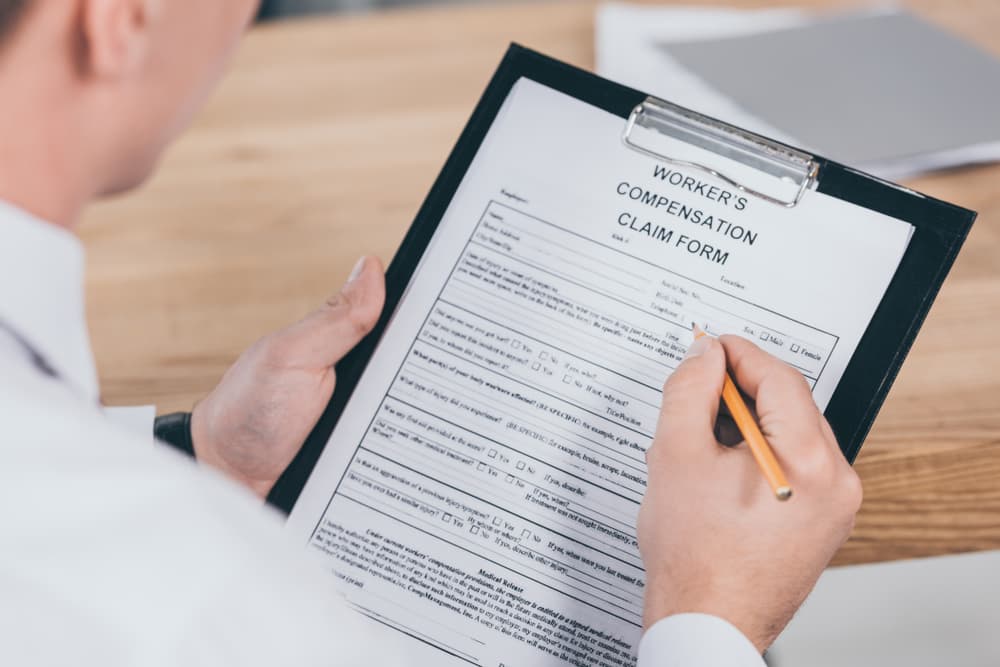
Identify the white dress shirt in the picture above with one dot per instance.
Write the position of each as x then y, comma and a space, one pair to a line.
113, 552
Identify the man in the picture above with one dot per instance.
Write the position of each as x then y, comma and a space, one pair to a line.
115, 553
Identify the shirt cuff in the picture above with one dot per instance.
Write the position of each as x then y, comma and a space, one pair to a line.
137, 419
696, 640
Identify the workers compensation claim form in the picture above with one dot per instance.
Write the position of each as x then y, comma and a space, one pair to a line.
481, 488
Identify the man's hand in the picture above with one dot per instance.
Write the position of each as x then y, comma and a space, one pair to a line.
252, 424
713, 537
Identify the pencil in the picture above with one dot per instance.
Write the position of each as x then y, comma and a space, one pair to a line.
755, 440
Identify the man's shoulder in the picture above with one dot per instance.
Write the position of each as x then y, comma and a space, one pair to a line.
142, 541
57, 446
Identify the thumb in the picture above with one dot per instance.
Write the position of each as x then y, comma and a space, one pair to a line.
691, 397
324, 336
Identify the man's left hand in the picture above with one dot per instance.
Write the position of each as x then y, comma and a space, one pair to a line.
254, 422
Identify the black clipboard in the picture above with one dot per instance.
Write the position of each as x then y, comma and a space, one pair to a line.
940, 229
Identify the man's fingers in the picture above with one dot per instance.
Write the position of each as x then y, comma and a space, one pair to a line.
327, 334
691, 397
784, 402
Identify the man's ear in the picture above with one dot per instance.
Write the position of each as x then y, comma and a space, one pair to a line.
116, 35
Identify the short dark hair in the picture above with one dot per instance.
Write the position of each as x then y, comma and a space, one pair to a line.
10, 12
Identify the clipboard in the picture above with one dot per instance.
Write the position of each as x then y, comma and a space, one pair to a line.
939, 231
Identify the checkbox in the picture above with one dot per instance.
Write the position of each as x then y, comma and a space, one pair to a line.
510, 478
481, 467
763, 335
535, 366
492, 454
516, 345
795, 347
520, 465
497, 520
525, 533
446, 518
543, 355
567, 379
474, 529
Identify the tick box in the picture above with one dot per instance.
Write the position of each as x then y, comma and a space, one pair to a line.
492, 454
795, 347
535, 366
481, 467
520, 465
763, 335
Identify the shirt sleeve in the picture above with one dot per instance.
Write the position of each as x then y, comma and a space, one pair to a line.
137, 419
696, 640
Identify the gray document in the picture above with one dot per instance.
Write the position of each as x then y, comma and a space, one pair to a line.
917, 613
865, 89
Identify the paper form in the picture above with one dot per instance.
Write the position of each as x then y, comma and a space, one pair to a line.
481, 488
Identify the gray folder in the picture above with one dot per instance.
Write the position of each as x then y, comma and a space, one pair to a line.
862, 89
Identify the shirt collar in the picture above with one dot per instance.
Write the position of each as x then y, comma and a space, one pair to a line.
42, 295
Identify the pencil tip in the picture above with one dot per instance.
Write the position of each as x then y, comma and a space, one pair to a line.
784, 493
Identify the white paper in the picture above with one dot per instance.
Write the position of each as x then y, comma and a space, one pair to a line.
481, 488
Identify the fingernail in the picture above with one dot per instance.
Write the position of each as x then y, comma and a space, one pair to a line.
357, 270
698, 347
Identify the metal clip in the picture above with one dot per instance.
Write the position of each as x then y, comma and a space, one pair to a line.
766, 155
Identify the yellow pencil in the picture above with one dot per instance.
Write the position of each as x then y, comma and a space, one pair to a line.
755, 440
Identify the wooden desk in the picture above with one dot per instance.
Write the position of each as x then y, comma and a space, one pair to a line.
324, 140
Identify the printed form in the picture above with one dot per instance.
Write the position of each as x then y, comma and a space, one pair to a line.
481, 488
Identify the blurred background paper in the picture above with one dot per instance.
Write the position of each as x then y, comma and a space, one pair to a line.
915, 613
880, 90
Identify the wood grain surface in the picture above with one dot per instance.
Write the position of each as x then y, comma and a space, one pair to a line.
322, 142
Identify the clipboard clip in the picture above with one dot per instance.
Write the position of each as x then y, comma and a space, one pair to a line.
789, 166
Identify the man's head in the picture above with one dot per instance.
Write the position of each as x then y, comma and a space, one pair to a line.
102, 86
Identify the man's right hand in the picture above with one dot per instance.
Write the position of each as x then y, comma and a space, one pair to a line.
713, 537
